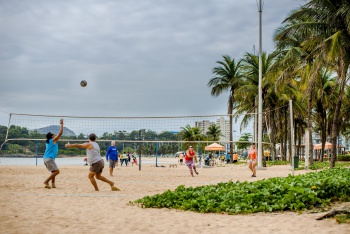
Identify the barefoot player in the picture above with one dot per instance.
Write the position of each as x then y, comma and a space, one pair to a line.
190, 155
112, 157
95, 160
50, 155
252, 159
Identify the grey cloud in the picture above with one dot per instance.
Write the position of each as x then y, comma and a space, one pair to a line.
140, 58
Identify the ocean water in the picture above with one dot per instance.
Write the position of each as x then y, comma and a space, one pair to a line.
71, 161
39, 161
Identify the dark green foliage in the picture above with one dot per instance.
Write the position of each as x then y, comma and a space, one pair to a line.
29, 147
343, 157
275, 194
277, 162
323, 165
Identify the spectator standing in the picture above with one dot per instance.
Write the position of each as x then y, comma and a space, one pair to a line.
228, 158
235, 157
112, 157
181, 158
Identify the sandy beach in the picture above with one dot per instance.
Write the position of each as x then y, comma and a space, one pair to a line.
74, 206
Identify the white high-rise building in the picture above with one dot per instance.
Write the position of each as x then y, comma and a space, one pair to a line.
203, 125
224, 125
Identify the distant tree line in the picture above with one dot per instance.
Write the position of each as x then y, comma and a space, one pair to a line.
131, 141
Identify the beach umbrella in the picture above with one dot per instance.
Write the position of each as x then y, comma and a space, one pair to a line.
215, 147
326, 146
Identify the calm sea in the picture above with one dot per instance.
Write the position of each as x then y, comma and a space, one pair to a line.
73, 161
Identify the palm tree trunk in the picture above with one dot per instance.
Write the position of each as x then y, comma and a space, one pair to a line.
273, 135
299, 135
281, 137
285, 133
335, 124
230, 109
323, 133
263, 157
309, 127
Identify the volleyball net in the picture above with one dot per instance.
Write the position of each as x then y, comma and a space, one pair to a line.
163, 135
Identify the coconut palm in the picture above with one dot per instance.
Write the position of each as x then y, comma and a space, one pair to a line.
191, 134
246, 95
295, 62
214, 132
326, 94
227, 78
344, 114
326, 26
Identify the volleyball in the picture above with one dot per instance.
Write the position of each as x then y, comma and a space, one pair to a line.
83, 83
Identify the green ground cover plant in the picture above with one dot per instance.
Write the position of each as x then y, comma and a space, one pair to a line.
277, 162
294, 193
342, 218
322, 165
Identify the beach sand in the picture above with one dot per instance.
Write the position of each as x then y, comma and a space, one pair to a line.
74, 206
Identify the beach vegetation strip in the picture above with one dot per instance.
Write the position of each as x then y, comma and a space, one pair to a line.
292, 193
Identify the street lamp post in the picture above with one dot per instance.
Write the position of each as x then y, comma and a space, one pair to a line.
260, 91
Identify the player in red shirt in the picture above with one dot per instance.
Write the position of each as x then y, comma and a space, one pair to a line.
190, 154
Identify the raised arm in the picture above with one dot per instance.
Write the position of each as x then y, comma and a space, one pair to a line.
59, 134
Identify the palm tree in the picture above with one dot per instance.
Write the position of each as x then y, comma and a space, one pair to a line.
244, 141
246, 95
227, 78
326, 26
214, 132
345, 121
326, 95
191, 134
294, 62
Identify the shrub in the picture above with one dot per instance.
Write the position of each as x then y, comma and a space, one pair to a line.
343, 157
293, 193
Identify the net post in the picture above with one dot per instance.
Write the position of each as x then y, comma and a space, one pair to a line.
140, 150
36, 152
7, 131
307, 149
199, 150
156, 154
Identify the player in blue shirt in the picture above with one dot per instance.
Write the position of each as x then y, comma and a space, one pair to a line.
50, 156
112, 157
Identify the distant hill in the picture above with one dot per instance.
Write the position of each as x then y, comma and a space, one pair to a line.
55, 129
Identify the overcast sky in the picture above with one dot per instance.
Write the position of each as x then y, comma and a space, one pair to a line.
139, 57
